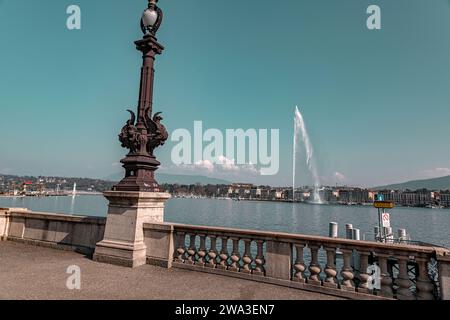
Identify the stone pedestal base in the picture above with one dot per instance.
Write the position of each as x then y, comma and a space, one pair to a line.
123, 242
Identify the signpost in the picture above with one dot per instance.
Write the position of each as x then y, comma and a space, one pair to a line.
384, 204
384, 218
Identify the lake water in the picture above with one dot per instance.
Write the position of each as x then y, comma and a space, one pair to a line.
427, 225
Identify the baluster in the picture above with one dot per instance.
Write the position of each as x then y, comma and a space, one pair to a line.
192, 251
212, 254
259, 268
202, 251
346, 272
403, 281
386, 280
314, 267
330, 269
247, 259
424, 285
223, 264
363, 275
181, 247
299, 265
235, 256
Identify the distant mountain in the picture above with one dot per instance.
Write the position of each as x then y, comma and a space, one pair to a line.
175, 178
442, 183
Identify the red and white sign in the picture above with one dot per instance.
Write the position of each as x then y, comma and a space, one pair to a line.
386, 218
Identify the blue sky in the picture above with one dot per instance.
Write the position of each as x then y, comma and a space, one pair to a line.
376, 103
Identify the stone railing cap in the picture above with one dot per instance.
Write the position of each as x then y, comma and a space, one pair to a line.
442, 254
56, 216
402, 249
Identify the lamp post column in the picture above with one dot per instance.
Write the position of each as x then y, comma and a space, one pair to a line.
149, 53
142, 134
142, 137
137, 199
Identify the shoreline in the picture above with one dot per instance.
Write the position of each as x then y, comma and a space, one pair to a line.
336, 204
308, 203
54, 195
233, 199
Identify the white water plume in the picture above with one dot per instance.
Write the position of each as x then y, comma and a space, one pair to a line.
300, 128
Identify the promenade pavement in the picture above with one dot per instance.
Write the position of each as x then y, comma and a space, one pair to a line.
30, 272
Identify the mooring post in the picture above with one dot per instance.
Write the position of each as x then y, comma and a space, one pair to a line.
333, 230
349, 231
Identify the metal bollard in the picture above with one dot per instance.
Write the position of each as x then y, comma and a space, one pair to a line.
356, 234
388, 234
402, 237
333, 230
387, 231
349, 231
376, 232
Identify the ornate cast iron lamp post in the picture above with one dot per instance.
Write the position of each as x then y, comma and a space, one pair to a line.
142, 134
137, 200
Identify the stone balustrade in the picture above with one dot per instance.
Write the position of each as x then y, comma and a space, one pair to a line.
328, 265
58, 231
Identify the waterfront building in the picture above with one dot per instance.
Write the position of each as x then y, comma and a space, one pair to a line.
390, 195
420, 198
276, 194
344, 196
265, 193
328, 195
299, 195
306, 195
353, 195
362, 196
288, 194
445, 199
255, 193
408, 198
242, 185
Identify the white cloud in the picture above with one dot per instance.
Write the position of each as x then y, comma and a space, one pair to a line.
340, 177
204, 164
224, 166
227, 164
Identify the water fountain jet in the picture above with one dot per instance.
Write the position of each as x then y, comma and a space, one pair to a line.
300, 128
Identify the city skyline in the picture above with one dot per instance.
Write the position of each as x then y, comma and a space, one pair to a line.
375, 102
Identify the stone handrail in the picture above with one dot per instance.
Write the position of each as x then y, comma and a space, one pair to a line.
80, 233
308, 262
57, 217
